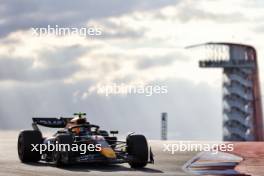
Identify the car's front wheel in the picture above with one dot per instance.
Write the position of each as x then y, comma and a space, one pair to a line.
62, 154
137, 148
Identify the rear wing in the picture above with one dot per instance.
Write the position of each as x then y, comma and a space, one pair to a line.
51, 122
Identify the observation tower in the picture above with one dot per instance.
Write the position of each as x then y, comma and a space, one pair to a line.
242, 108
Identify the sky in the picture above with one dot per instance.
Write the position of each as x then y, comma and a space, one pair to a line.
142, 42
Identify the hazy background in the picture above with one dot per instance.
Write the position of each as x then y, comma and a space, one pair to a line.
141, 42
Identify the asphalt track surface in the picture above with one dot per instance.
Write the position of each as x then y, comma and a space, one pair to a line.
165, 163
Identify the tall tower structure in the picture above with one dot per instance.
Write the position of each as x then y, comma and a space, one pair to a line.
242, 108
164, 124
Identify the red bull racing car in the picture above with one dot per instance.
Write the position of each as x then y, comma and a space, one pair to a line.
78, 141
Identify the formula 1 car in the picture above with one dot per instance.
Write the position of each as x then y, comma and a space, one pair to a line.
77, 132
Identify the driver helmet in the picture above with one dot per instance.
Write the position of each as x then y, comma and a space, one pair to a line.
79, 119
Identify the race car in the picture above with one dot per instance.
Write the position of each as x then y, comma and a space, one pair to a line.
77, 132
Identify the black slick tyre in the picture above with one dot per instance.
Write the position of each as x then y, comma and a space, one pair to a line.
62, 158
137, 148
26, 140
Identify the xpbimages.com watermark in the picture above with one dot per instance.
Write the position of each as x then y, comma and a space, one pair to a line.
197, 147
124, 89
50, 147
66, 31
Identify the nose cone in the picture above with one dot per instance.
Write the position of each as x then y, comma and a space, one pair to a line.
108, 152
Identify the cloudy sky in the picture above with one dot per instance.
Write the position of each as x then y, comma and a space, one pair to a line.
141, 42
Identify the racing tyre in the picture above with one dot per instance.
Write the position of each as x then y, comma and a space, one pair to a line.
62, 158
137, 148
24, 147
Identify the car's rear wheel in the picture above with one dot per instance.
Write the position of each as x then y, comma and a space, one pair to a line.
62, 156
26, 140
137, 148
